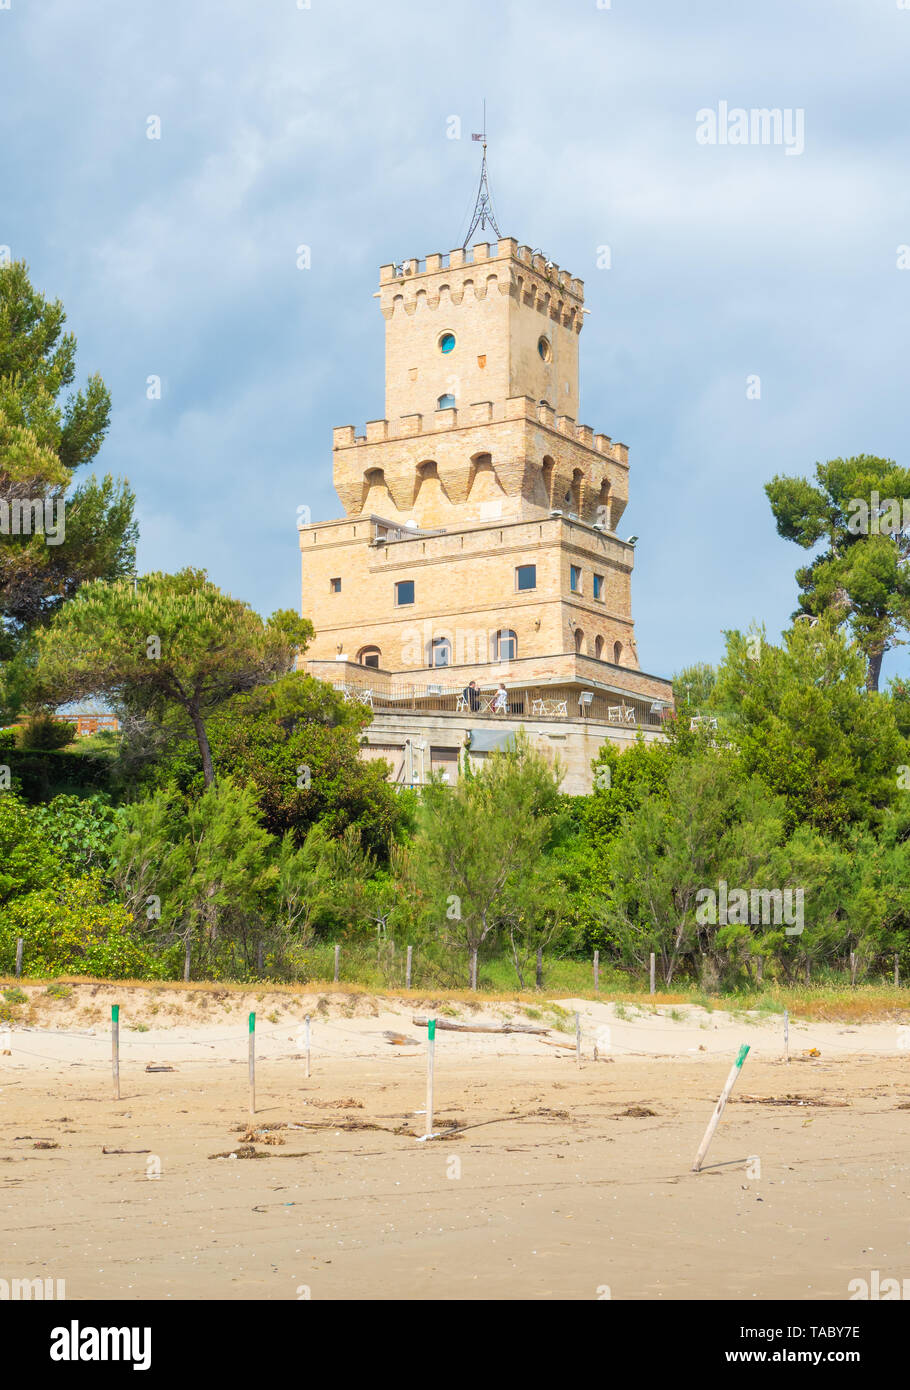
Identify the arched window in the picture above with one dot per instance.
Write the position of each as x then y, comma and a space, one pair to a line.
579, 640
599, 647
505, 646
369, 656
573, 496
446, 402
548, 470
617, 652
440, 651
603, 506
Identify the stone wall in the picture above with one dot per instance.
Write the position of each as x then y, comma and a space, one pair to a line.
465, 590
415, 744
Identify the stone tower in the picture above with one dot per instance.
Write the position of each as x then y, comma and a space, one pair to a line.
479, 537
481, 371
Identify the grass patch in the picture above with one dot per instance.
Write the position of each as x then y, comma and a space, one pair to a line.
828, 999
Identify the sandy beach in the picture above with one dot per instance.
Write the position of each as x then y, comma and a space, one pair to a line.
545, 1179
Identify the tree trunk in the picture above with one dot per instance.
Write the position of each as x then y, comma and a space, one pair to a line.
202, 739
516, 960
540, 967
474, 967
874, 670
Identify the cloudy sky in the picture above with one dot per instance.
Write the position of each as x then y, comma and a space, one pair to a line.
282, 126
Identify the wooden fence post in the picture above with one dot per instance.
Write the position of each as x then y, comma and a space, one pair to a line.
115, 1048
407, 977
897, 970
431, 1060
18, 957
719, 1107
652, 973
596, 972
252, 1064
337, 957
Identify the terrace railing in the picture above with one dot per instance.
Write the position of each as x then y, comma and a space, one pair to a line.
550, 703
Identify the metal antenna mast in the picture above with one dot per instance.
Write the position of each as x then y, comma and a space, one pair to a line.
483, 206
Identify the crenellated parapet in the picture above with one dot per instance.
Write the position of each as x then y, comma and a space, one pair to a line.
481, 413
518, 460
502, 267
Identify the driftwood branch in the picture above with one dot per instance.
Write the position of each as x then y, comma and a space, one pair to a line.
479, 1027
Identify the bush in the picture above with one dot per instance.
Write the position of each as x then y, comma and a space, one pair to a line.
67, 927
81, 829
41, 774
27, 859
42, 732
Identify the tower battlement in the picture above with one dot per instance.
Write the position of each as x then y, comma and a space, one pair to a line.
480, 413
501, 267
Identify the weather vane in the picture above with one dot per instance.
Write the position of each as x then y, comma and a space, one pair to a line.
483, 206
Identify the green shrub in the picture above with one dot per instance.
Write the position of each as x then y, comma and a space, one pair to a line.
81, 829
40, 774
27, 860
67, 926
42, 732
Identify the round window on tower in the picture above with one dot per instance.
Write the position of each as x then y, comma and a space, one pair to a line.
543, 347
447, 342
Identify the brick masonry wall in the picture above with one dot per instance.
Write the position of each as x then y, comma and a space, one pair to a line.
464, 588
498, 307
490, 460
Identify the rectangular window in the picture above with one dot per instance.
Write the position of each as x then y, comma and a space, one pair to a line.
335, 585
598, 586
404, 592
575, 579
526, 577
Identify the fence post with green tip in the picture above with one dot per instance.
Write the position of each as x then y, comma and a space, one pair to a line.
252, 1064
431, 1057
719, 1107
115, 1048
